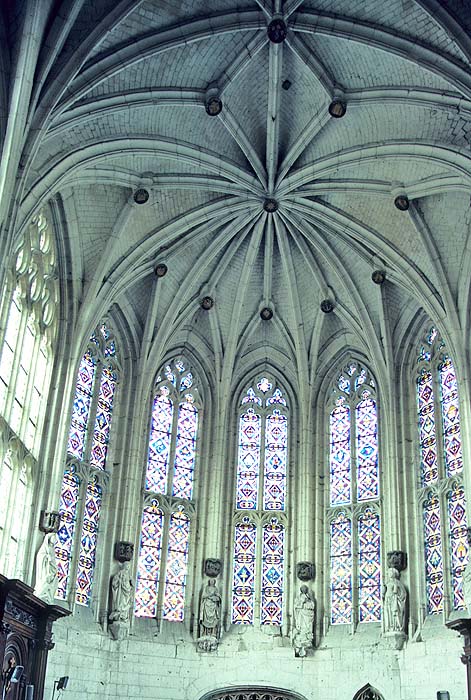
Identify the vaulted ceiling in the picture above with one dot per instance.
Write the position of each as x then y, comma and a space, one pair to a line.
113, 98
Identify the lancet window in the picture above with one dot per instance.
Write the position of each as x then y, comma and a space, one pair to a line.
86, 475
29, 322
168, 495
354, 513
259, 546
441, 494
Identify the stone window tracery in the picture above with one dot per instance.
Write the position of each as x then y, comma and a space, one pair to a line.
260, 522
354, 514
441, 492
29, 319
169, 482
86, 477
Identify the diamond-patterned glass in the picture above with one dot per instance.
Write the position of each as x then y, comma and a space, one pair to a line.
248, 462
148, 564
458, 543
367, 449
369, 566
243, 589
450, 418
81, 407
88, 541
433, 555
272, 573
276, 447
341, 566
185, 450
159, 443
176, 568
65, 536
101, 431
340, 457
427, 435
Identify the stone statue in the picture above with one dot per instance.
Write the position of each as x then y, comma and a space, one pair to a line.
45, 585
395, 599
209, 617
122, 587
304, 613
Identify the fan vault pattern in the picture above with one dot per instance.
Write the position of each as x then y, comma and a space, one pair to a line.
121, 103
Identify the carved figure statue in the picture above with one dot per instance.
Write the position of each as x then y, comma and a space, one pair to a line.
209, 617
395, 599
304, 613
121, 594
45, 585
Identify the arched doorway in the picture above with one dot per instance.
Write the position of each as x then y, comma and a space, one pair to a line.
368, 693
247, 692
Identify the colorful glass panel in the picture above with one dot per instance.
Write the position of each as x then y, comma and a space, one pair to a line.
276, 398
81, 407
148, 565
367, 450
458, 543
276, 447
450, 418
433, 555
101, 431
176, 568
340, 447
427, 434
251, 397
88, 541
68, 515
159, 443
264, 385
369, 566
272, 573
185, 450
243, 590
341, 563
248, 462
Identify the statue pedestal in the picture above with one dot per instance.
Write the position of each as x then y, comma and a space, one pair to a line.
207, 643
394, 640
119, 630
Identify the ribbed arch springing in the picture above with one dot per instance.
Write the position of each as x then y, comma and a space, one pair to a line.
441, 492
169, 483
354, 487
260, 502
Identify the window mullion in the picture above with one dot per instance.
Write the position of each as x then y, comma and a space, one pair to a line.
11, 393
173, 445
29, 388
73, 569
163, 565
89, 430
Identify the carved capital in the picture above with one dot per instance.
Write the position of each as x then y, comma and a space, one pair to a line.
123, 551
305, 571
212, 567
397, 560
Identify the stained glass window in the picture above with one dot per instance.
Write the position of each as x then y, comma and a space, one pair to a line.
262, 463
87, 446
148, 567
433, 555
369, 566
355, 537
171, 460
441, 460
272, 573
341, 565
65, 535
176, 569
88, 541
245, 540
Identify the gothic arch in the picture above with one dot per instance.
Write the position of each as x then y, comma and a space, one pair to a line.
368, 693
247, 692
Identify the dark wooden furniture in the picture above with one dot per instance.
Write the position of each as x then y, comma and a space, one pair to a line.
463, 626
25, 639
